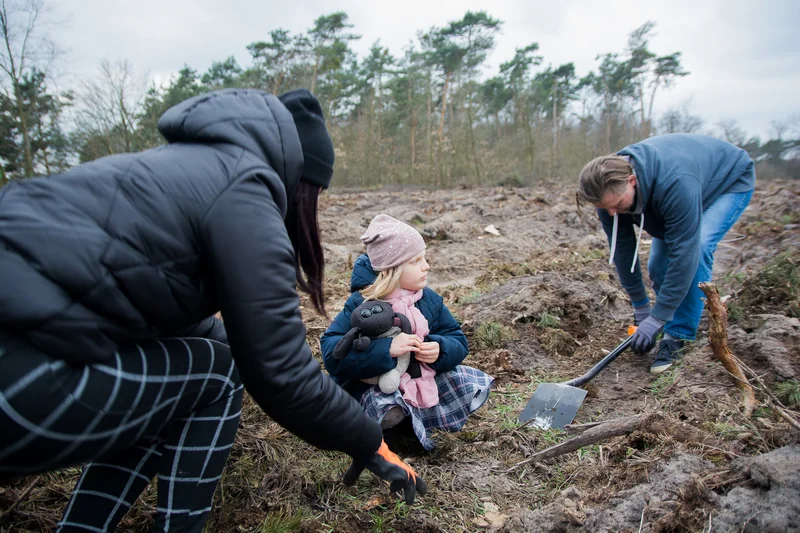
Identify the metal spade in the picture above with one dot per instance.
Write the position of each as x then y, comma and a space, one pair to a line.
554, 405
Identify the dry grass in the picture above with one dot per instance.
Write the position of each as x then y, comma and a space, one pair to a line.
773, 289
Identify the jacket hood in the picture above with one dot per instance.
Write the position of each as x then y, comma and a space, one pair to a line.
645, 177
248, 118
363, 275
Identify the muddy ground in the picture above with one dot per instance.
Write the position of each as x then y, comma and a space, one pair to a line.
539, 302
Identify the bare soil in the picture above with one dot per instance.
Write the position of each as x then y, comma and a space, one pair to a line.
539, 302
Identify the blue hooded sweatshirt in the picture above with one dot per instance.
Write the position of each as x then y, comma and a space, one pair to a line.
677, 177
374, 361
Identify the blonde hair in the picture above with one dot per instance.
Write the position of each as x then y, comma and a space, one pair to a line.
387, 281
607, 173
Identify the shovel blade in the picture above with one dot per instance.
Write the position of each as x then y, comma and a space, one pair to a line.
552, 406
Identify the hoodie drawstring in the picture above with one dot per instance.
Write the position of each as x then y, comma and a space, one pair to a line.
614, 241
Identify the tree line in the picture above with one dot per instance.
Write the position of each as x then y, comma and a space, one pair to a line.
428, 116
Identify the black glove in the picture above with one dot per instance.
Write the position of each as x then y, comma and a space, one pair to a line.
645, 335
386, 465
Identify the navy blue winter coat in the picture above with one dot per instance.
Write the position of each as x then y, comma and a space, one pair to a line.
376, 360
138, 246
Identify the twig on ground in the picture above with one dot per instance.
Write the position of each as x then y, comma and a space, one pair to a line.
727, 453
783, 414
701, 383
641, 522
772, 400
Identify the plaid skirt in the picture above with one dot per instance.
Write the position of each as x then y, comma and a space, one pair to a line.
461, 392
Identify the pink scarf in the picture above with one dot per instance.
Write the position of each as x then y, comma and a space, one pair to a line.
403, 302
421, 392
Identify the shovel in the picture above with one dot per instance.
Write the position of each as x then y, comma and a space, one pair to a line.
554, 405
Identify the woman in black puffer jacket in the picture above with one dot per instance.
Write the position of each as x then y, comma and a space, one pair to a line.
109, 353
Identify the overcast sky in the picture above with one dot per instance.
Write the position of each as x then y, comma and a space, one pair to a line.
744, 56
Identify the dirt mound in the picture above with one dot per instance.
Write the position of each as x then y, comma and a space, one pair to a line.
652, 500
770, 499
528, 354
775, 343
453, 222
568, 299
457, 226
558, 517
338, 258
479, 477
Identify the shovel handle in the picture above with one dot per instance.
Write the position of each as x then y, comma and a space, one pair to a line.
592, 372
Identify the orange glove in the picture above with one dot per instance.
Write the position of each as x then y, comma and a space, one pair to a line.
388, 466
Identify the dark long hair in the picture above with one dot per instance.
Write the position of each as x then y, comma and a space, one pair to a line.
303, 229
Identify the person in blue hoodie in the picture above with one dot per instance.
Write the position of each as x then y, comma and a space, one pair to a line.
395, 270
686, 191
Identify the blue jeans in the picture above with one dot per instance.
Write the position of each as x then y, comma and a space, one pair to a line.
717, 220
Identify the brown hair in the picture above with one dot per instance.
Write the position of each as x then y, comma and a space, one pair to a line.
600, 175
303, 230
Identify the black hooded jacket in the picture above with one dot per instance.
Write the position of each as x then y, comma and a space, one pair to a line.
138, 246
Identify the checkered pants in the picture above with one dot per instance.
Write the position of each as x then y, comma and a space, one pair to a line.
168, 407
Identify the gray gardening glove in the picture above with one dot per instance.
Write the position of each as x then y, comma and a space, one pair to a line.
641, 313
646, 334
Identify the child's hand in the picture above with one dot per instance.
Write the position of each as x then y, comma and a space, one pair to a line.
404, 343
428, 352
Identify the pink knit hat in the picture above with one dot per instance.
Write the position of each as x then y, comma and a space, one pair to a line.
391, 243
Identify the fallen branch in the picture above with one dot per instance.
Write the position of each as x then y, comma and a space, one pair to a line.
718, 335
592, 435
783, 414
651, 423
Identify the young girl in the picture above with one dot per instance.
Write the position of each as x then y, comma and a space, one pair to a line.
395, 270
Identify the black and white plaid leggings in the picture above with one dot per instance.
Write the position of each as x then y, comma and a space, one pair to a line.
169, 407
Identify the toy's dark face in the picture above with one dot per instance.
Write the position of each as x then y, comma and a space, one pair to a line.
373, 318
